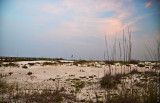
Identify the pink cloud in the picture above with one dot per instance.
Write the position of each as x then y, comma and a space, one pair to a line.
89, 7
52, 9
111, 26
85, 16
148, 4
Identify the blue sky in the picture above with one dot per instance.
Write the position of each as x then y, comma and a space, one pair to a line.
60, 28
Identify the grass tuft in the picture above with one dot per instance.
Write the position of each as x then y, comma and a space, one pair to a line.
109, 81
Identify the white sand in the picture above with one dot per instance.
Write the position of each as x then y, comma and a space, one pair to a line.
42, 74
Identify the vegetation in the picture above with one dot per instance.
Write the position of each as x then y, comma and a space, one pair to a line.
3, 84
145, 92
150, 73
10, 64
29, 73
110, 62
133, 87
16, 60
82, 62
124, 97
10, 73
156, 66
134, 71
141, 65
49, 63
31, 64
46, 96
110, 81
134, 62
24, 66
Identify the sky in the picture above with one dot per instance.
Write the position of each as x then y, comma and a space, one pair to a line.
61, 28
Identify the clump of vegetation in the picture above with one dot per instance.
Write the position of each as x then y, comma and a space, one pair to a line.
90, 76
140, 84
123, 62
49, 63
51, 79
82, 62
20, 59
141, 65
110, 81
79, 85
1, 64
127, 65
133, 62
48, 96
31, 64
110, 62
150, 73
29, 73
2, 75
4, 88
82, 77
156, 67
3, 84
135, 71
124, 97
75, 79
24, 66
17, 60
62, 89
10, 73
148, 96
10, 64
151, 95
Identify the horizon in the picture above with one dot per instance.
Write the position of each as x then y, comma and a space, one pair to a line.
59, 58
72, 29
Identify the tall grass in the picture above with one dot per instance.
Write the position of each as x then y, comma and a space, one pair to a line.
125, 56
13, 94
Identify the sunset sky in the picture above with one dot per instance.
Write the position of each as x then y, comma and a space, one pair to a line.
60, 28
